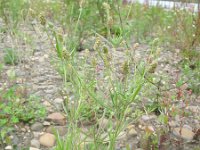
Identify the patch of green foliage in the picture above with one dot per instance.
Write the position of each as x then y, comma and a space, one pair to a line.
191, 69
13, 11
11, 56
17, 107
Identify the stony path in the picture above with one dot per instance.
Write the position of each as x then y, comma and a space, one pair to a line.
37, 73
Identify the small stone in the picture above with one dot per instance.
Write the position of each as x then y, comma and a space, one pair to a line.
46, 56
35, 143
131, 131
36, 134
37, 126
46, 123
57, 118
149, 129
58, 100
23, 129
62, 130
41, 59
8, 147
33, 148
141, 127
185, 133
46, 103
147, 117
47, 140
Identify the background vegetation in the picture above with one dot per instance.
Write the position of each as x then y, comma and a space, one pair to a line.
99, 27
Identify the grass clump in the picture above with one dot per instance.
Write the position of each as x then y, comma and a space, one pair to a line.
11, 57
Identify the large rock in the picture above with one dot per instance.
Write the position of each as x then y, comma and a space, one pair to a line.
183, 133
57, 118
47, 140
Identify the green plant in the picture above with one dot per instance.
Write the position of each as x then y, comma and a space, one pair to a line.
13, 12
11, 56
191, 69
95, 96
16, 106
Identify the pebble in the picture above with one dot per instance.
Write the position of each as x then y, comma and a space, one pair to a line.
36, 134
185, 134
23, 129
57, 118
46, 123
36, 126
8, 147
47, 140
147, 117
35, 143
132, 132
33, 148
62, 130
58, 100
46, 103
149, 129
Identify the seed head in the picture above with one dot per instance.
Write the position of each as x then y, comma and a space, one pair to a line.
125, 68
65, 54
42, 20
153, 67
105, 49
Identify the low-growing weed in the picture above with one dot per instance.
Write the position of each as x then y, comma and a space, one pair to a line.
11, 57
16, 106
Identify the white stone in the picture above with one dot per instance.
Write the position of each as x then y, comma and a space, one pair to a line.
8, 147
